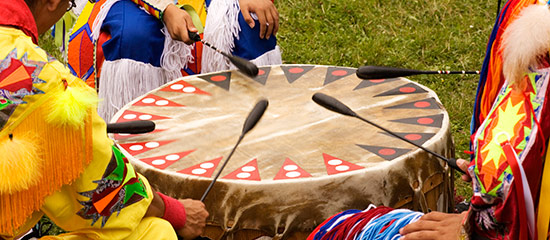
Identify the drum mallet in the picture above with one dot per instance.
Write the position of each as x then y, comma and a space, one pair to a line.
334, 105
245, 66
131, 127
253, 118
382, 72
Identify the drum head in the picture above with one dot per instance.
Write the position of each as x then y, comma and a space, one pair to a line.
299, 155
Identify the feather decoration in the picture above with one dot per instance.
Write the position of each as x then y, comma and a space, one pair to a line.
71, 105
20, 165
525, 40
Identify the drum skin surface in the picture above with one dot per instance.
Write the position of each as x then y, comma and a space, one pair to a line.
301, 163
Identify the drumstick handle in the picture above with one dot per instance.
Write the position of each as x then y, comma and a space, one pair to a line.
381, 72
221, 169
451, 161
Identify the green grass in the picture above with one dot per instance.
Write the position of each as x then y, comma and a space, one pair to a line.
425, 35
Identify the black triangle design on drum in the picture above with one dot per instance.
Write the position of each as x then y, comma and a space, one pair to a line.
336, 73
408, 88
430, 121
428, 103
386, 153
373, 82
220, 79
263, 73
293, 72
418, 138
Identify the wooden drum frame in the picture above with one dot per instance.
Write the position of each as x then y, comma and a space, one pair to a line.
301, 163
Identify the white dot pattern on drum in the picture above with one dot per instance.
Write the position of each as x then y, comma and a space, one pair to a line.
290, 167
148, 100
158, 162
189, 89
293, 174
176, 86
243, 175
342, 168
172, 157
152, 144
161, 102
198, 171
335, 162
248, 169
145, 117
207, 165
136, 147
129, 116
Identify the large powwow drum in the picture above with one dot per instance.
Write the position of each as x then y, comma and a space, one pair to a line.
301, 163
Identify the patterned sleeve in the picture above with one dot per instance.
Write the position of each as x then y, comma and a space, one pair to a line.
154, 7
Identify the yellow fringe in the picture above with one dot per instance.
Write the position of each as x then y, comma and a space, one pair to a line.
60, 165
70, 105
20, 166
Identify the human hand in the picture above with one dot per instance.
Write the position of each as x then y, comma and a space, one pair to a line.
196, 219
434, 226
268, 16
178, 22
463, 165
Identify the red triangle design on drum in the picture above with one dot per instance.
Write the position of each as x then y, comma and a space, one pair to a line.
183, 87
293, 72
119, 136
263, 73
337, 73
162, 162
409, 88
220, 79
373, 82
428, 103
290, 170
387, 153
248, 171
129, 115
335, 165
205, 169
152, 100
141, 147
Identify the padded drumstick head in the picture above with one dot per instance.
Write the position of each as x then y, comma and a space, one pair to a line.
380, 72
332, 104
245, 66
254, 115
131, 127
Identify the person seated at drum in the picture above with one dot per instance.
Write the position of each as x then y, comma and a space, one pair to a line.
56, 157
141, 57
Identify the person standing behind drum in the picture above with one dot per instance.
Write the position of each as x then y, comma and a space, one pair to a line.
510, 127
56, 157
141, 57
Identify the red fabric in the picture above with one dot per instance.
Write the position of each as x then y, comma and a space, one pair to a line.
174, 211
17, 14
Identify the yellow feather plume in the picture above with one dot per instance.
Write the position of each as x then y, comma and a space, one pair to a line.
71, 105
20, 164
